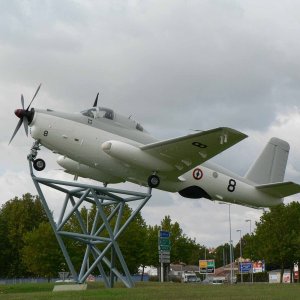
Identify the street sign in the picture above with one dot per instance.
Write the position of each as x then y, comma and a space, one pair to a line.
164, 257
164, 248
207, 266
164, 260
164, 254
245, 267
164, 234
165, 242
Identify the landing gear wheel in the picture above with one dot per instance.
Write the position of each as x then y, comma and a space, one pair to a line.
39, 164
153, 181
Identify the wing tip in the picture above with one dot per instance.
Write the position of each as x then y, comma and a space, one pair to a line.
235, 131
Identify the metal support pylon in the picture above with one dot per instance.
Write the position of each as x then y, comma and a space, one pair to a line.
101, 239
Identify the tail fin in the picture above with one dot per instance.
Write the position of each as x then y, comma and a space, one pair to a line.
271, 164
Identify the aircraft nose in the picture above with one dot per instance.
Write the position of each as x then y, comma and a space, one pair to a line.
20, 113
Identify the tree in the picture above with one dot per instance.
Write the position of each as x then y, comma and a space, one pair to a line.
247, 246
277, 236
152, 245
17, 217
4, 247
41, 253
222, 255
132, 241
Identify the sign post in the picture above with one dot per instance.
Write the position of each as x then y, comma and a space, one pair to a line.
164, 248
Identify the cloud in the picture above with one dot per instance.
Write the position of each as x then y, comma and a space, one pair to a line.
170, 55
173, 65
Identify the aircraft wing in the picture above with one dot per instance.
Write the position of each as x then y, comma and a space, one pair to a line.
280, 190
186, 152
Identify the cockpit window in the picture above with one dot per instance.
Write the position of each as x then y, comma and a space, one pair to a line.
109, 114
89, 112
96, 113
119, 120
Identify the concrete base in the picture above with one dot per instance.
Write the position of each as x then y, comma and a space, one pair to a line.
69, 287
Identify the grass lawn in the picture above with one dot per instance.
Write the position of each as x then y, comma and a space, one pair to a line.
151, 290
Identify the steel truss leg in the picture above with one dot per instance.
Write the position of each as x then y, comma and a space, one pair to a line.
101, 239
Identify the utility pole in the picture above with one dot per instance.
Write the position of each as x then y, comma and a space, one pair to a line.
241, 255
248, 220
250, 232
230, 242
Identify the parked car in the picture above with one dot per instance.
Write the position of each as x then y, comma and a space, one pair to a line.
189, 277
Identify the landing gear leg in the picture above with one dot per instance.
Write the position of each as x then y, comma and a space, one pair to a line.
38, 164
34, 150
153, 181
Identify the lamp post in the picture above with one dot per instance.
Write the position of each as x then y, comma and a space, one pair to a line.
248, 220
241, 255
230, 241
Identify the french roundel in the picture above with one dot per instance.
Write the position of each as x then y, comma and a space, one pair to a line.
197, 174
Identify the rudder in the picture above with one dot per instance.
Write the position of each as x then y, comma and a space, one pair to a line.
271, 164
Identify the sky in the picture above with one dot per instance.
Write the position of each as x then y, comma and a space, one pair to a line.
175, 66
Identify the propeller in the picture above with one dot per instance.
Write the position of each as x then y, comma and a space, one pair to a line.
96, 101
24, 115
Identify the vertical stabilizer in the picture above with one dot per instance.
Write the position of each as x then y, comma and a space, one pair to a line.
271, 164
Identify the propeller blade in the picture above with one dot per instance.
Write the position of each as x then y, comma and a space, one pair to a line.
22, 101
96, 100
25, 125
16, 130
34, 96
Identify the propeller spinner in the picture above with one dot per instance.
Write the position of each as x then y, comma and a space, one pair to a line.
25, 115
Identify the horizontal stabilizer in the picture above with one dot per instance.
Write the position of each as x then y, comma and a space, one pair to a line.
280, 190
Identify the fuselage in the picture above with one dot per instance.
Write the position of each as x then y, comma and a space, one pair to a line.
79, 139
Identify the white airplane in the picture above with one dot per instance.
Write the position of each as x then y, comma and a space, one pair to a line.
100, 144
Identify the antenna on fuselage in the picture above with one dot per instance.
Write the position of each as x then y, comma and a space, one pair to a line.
96, 101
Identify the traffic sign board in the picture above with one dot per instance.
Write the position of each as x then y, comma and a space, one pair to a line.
165, 242
164, 261
207, 266
245, 267
164, 257
164, 252
164, 234
164, 247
